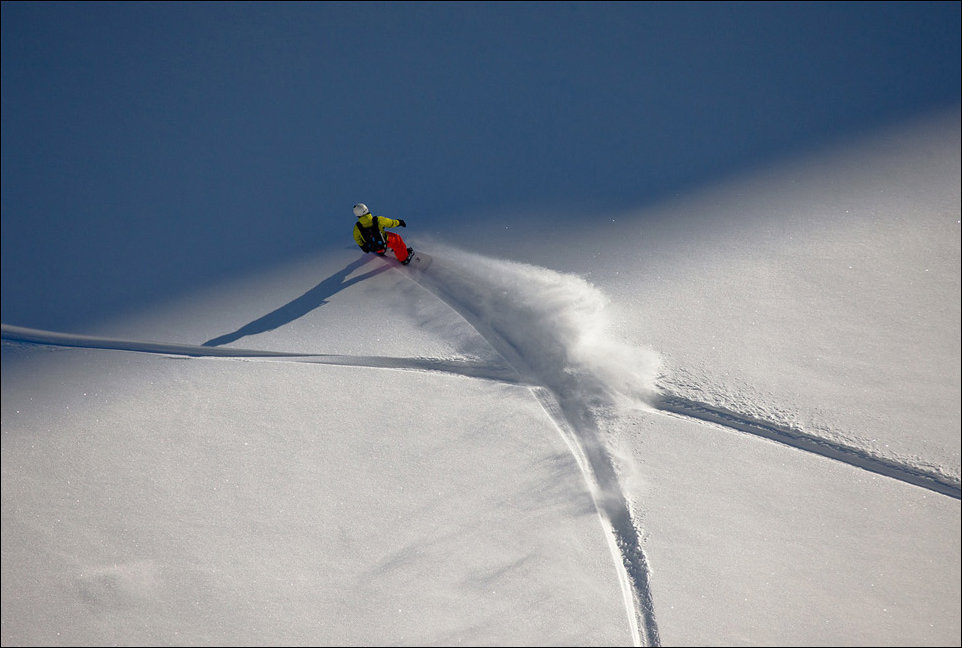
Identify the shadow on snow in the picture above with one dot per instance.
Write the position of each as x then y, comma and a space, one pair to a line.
297, 308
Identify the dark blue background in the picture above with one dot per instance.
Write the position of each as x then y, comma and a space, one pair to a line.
152, 147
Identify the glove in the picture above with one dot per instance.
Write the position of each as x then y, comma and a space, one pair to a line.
401, 223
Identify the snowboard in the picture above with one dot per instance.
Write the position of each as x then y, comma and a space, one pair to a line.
419, 260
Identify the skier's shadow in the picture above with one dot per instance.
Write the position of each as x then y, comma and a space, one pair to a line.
313, 298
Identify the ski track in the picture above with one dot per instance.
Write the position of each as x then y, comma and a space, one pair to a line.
790, 436
666, 402
541, 360
571, 399
472, 369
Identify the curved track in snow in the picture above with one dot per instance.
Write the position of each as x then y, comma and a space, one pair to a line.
535, 319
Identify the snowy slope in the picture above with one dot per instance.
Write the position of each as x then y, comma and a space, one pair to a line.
522, 444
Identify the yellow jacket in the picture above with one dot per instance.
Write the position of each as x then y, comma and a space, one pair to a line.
365, 221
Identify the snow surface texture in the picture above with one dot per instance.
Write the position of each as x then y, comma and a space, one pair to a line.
733, 421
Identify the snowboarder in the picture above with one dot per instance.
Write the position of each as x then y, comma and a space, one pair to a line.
370, 236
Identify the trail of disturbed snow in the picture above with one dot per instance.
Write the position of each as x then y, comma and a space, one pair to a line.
549, 327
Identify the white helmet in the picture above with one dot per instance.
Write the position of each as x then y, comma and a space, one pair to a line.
360, 209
